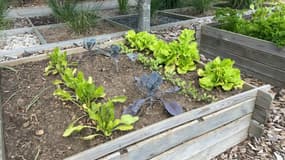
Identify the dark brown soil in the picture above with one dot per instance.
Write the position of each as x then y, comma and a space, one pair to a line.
18, 23
40, 129
62, 33
44, 20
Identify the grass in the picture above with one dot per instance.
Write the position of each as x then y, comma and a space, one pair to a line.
79, 19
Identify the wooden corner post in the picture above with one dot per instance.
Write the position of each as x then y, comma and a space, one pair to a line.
144, 15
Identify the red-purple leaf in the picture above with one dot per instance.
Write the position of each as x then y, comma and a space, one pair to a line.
134, 108
172, 108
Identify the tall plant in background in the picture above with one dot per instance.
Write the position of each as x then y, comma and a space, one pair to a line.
3, 9
164, 4
78, 19
240, 4
123, 6
201, 6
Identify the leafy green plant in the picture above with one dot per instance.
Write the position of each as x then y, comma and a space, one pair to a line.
85, 90
240, 4
123, 6
220, 73
164, 4
4, 23
189, 89
265, 23
179, 55
201, 6
57, 62
84, 93
103, 116
80, 20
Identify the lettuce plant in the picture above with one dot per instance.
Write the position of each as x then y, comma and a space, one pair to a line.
149, 85
220, 73
177, 56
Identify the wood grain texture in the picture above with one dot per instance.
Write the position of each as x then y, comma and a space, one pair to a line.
198, 147
257, 57
181, 134
255, 129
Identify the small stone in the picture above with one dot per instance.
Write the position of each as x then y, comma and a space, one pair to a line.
40, 132
26, 124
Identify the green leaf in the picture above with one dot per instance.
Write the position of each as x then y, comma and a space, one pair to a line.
128, 119
62, 94
73, 129
57, 82
89, 137
125, 127
119, 99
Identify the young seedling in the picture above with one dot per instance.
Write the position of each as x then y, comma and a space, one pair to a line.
150, 86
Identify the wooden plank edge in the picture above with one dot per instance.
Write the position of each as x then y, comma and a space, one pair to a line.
2, 142
193, 147
181, 134
41, 57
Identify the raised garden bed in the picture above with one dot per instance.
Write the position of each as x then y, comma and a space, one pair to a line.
190, 11
195, 134
160, 19
260, 58
56, 33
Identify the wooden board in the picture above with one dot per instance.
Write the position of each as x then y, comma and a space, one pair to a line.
258, 57
189, 131
200, 148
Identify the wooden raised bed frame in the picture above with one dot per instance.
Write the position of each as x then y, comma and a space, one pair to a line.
201, 133
254, 56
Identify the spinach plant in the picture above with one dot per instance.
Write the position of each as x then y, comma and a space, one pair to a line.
58, 62
103, 115
220, 73
85, 90
150, 86
84, 93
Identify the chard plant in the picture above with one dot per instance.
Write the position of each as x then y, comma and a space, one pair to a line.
103, 116
149, 85
57, 62
220, 73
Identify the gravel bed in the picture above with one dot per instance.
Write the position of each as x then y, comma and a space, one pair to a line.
19, 41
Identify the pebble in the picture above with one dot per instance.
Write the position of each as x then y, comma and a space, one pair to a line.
40, 132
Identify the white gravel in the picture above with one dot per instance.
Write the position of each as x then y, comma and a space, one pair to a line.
18, 41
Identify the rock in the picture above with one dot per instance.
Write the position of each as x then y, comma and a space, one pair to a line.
40, 132
26, 124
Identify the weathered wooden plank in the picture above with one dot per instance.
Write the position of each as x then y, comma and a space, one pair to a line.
189, 131
139, 135
45, 56
251, 42
255, 129
194, 147
113, 156
260, 115
241, 49
221, 146
2, 144
227, 52
252, 71
264, 99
